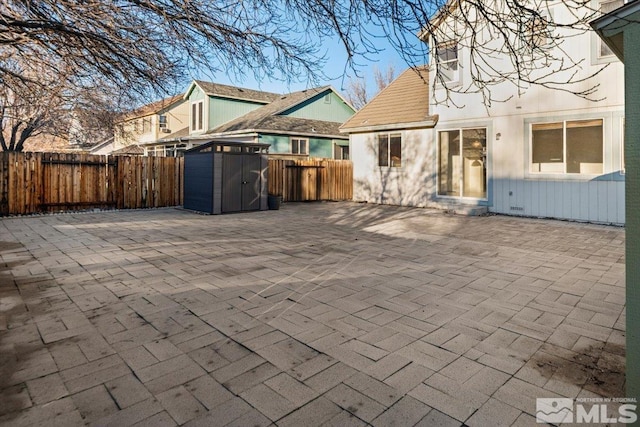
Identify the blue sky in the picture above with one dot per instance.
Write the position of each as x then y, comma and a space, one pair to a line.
334, 67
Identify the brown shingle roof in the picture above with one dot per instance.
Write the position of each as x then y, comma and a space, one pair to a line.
48, 144
152, 108
129, 150
216, 89
405, 100
267, 118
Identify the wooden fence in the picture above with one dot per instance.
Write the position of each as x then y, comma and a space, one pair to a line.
49, 182
310, 180
53, 182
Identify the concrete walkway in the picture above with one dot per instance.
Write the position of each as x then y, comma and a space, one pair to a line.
316, 314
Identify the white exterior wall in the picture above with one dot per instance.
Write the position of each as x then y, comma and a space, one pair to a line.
512, 188
412, 184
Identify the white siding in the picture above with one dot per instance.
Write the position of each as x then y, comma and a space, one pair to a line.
514, 189
410, 185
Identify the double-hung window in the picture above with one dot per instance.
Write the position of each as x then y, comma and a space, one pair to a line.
570, 147
299, 146
447, 57
390, 150
197, 116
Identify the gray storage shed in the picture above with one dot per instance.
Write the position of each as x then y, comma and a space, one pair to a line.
221, 177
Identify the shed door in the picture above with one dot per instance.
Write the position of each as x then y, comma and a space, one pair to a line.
241, 182
232, 183
251, 183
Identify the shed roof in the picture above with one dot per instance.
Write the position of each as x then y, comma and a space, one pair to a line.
405, 103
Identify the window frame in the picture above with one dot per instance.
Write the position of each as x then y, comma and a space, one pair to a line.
295, 141
163, 121
146, 125
596, 42
389, 159
485, 154
564, 122
622, 137
196, 122
456, 79
536, 32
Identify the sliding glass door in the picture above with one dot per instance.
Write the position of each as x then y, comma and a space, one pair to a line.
462, 165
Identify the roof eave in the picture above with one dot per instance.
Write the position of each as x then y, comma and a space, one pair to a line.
256, 132
237, 98
429, 123
609, 28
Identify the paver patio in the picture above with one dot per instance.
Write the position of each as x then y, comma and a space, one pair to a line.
316, 314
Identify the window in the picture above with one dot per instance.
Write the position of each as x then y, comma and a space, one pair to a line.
462, 165
572, 147
341, 152
390, 150
607, 6
536, 31
146, 125
447, 57
299, 146
197, 116
162, 121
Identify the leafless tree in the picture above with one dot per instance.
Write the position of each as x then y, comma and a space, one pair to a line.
137, 45
357, 92
51, 107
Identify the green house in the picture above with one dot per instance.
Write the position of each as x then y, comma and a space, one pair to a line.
299, 124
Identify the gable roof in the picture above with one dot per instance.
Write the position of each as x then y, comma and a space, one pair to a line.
226, 91
269, 117
151, 108
129, 150
402, 104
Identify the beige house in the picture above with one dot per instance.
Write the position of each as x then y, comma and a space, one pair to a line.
146, 126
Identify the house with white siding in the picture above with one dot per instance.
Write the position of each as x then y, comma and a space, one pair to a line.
540, 153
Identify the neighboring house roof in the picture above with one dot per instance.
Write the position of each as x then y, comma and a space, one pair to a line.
129, 150
102, 144
152, 108
270, 119
610, 27
182, 133
225, 91
402, 104
49, 144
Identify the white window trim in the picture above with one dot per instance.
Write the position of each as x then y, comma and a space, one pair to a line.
596, 41
564, 174
291, 142
162, 125
194, 120
458, 80
548, 15
487, 129
402, 157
